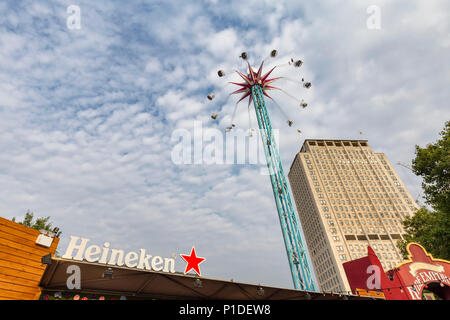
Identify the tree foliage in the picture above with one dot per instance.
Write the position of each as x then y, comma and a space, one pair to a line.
38, 224
431, 228
432, 163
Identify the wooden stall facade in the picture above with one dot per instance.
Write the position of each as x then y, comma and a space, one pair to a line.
20, 261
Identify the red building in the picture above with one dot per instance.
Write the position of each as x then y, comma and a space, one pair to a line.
420, 277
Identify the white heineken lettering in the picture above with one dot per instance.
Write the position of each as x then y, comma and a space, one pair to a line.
156, 262
74, 246
91, 252
78, 250
130, 258
104, 253
116, 257
167, 262
143, 260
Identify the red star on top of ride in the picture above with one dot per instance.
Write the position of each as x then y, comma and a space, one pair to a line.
254, 79
192, 261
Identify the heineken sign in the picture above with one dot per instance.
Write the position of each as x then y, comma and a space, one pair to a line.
81, 250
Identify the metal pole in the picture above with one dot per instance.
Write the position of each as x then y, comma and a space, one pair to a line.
289, 221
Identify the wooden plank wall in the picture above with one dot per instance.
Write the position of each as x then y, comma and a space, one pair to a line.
20, 261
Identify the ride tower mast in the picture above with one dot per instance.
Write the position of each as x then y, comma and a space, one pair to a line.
255, 87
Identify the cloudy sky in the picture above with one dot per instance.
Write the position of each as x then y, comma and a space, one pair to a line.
87, 115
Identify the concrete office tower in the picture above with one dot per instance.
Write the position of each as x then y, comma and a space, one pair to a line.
348, 197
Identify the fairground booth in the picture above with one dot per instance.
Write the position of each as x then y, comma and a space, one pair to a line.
420, 277
29, 271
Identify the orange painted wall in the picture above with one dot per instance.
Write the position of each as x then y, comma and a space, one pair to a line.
20, 261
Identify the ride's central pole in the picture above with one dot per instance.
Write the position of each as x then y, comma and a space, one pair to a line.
289, 221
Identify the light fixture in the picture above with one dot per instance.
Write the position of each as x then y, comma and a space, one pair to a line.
44, 239
308, 296
197, 283
47, 259
108, 273
260, 291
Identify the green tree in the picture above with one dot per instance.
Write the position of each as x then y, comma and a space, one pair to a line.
431, 228
38, 224
432, 163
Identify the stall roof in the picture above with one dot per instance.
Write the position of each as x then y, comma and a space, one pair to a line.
160, 285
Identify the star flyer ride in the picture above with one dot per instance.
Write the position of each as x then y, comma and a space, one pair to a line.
255, 87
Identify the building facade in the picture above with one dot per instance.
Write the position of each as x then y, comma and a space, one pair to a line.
348, 198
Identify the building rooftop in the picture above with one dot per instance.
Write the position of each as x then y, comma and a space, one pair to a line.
160, 285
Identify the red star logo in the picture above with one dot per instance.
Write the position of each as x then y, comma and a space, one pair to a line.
192, 262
